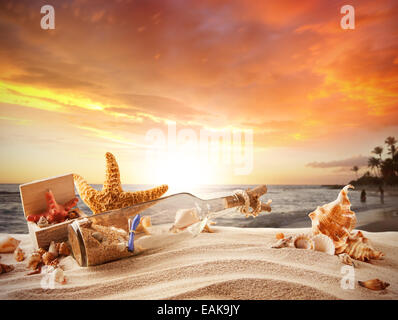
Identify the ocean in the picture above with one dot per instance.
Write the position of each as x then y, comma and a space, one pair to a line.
290, 204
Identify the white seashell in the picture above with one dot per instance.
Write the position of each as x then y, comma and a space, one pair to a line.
303, 241
185, 218
58, 274
53, 249
8, 244
42, 223
324, 244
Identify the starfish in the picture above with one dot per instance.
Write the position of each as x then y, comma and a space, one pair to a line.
55, 212
112, 195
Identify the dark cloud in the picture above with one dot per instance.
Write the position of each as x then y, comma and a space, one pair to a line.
349, 162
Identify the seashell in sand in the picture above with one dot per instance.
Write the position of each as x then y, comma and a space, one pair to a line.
346, 259
53, 249
282, 243
34, 260
42, 223
279, 236
19, 255
54, 263
63, 249
303, 241
41, 251
207, 229
358, 247
48, 258
374, 284
4, 268
8, 244
334, 219
145, 222
59, 276
98, 236
185, 218
323, 243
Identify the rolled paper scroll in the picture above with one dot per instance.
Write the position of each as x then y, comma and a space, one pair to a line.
133, 227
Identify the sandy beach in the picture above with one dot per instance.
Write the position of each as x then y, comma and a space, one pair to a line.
232, 263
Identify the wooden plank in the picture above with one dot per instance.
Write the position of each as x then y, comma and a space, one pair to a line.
33, 193
42, 237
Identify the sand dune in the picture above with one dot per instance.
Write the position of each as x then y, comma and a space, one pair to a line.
233, 263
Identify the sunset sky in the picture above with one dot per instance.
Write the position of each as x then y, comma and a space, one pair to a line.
318, 98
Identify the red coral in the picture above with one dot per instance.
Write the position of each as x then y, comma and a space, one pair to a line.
55, 212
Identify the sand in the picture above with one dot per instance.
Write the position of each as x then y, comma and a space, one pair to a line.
232, 263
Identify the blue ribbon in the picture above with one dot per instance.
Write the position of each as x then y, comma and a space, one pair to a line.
134, 225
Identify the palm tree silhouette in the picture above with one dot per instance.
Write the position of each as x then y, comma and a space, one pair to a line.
355, 169
378, 151
391, 141
374, 164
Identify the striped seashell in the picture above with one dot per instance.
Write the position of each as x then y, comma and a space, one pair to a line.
358, 247
334, 219
282, 243
303, 241
346, 259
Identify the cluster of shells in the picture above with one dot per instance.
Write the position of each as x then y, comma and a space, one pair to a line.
50, 259
319, 242
332, 233
336, 221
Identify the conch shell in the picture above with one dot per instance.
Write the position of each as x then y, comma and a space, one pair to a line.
8, 244
346, 259
185, 218
34, 260
336, 221
282, 243
4, 268
63, 249
19, 255
303, 241
324, 244
358, 247
374, 284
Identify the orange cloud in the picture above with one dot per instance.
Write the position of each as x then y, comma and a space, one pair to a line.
282, 68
